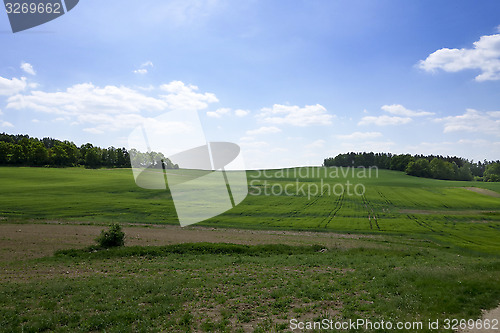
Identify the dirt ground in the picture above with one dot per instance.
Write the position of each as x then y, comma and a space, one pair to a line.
27, 241
483, 191
492, 314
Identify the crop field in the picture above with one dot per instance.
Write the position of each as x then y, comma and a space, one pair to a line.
289, 199
308, 243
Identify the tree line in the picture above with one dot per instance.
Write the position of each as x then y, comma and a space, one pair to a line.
23, 150
427, 166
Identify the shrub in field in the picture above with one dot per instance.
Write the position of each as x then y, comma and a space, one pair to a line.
112, 237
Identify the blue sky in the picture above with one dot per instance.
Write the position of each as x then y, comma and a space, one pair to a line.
291, 82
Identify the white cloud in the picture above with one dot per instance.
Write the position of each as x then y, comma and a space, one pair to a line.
28, 68
147, 88
185, 97
254, 144
295, 115
1, 113
11, 87
384, 120
435, 148
93, 130
316, 144
473, 142
367, 146
473, 121
400, 110
476, 149
87, 99
264, 130
359, 136
241, 113
498, 28
485, 56
109, 108
5, 124
143, 68
218, 113
227, 111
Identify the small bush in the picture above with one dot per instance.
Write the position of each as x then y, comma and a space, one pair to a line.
111, 238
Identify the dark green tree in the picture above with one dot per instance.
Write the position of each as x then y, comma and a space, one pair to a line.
58, 156
464, 172
16, 155
5, 152
93, 158
38, 155
441, 169
400, 162
492, 172
83, 151
419, 168
122, 158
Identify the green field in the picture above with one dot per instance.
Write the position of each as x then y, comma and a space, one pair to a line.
393, 203
408, 249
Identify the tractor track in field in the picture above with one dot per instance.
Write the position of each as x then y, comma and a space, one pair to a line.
371, 213
312, 202
334, 211
428, 227
307, 205
421, 223
387, 201
406, 198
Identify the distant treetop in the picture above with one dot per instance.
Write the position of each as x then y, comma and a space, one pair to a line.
428, 166
23, 150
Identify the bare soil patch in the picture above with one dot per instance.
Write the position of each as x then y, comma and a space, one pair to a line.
483, 191
490, 315
27, 241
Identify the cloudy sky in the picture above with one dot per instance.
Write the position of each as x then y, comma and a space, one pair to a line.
291, 82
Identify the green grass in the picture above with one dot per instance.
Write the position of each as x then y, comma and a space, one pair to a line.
393, 203
436, 256
223, 287
82, 195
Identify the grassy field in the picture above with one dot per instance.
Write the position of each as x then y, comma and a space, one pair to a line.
393, 203
425, 250
213, 287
